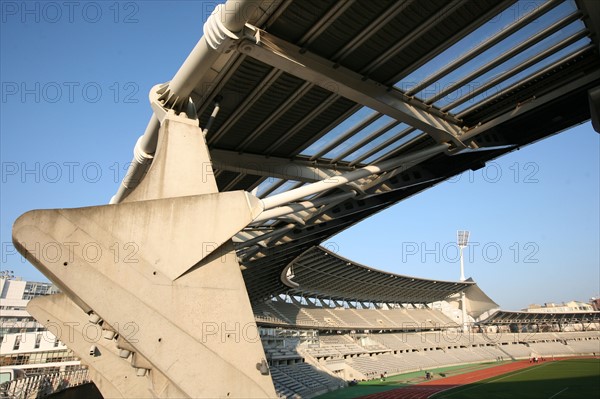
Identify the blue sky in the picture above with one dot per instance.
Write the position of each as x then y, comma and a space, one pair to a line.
74, 101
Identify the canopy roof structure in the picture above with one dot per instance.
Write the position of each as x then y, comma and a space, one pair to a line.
290, 121
508, 317
477, 302
320, 273
330, 111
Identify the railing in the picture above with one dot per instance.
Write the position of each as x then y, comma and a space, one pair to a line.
41, 385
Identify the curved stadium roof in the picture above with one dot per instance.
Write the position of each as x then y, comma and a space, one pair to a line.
323, 274
510, 317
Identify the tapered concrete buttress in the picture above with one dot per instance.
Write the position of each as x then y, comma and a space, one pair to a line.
181, 164
162, 263
71, 325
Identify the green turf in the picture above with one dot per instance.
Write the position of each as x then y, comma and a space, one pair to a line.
398, 381
573, 378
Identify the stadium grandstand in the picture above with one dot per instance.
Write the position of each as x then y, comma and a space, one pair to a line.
318, 336
544, 320
310, 116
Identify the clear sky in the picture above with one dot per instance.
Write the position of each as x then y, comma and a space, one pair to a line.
75, 78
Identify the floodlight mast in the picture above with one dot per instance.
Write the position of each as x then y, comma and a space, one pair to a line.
463, 240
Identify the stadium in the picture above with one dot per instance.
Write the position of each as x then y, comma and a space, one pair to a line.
288, 123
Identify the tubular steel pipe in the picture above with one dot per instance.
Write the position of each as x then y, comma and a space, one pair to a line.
221, 27
336, 181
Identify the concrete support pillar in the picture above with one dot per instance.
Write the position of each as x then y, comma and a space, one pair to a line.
160, 273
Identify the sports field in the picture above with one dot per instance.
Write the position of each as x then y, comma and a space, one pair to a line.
402, 380
572, 378
569, 378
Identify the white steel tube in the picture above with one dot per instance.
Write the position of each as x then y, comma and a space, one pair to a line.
301, 206
227, 20
336, 181
463, 299
232, 16
462, 264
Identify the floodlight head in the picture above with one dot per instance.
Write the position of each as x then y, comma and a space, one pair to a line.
463, 238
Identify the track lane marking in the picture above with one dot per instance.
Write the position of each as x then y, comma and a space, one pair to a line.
558, 393
493, 379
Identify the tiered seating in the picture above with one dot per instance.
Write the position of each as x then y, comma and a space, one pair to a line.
442, 358
391, 341
286, 310
285, 386
481, 339
374, 346
419, 360
318, 376
416, 318
334, 346
348, 346
581, 341
301, 379
323, 352
320, 316
400, 319
373, 318
585, 346
518, 351
416, 341
466, 355
368, 366
306, 318
263, 312
392, 364
404, 352
335, 339
351, 318
551, 348
281, 353
441, 318
443, 339
539, 336
300, 375
580, 335
488, 352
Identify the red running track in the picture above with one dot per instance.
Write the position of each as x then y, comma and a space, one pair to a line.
426, 389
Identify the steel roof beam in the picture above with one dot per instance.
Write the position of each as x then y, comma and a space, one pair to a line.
519, 109
373, 27
281, 168
413, 35
344, 82
346, 135
273, 187
521, 47
304, 206
521, 67
485, 45
333, 14
383, 145
592, 18
274, 117
343, 179
539, 101
500, 7
301, 124
251, 99
366, 140
234, 181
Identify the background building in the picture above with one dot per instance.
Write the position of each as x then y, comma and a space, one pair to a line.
571, 306
24, 343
